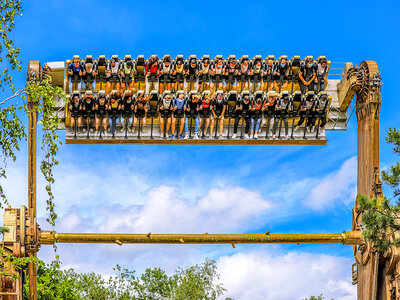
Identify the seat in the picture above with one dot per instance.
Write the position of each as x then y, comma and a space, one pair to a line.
101, 67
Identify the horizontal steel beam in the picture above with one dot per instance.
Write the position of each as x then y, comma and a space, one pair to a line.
321, 141
346, 238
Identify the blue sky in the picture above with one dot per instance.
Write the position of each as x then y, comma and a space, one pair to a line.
230, 189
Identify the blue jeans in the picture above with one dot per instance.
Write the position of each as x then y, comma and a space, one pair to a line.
196, 126
129, 119
258, 85
257, 123
113, 125
70, 85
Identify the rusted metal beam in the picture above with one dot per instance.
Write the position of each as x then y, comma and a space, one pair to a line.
346, 238
34, 66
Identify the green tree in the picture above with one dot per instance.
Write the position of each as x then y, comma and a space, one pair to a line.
380, 218
320, 297
195, 282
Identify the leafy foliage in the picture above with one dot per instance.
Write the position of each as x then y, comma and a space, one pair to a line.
195, 282
380, 218
320, 297
9, 9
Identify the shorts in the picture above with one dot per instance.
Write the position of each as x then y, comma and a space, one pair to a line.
204, 78
140, 114
113, 78
205, 114
76, 115
212, 116
167, 114
127, 79
166, 77
101, 115
178, 115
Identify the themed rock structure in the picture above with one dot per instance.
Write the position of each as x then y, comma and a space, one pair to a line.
376, 275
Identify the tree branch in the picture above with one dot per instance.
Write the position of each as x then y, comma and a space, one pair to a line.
18, 93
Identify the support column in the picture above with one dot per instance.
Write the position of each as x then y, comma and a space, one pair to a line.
367, 87
33, 70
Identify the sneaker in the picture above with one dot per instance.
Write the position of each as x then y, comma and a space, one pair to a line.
172, 137
163, 136
309, 129
83, 129
132, 129
246, 136
180, 136
186, 136
196, 137
256, 136
234, 136
143, 131
286, 137
296, 128
91, 130
273, 136
313, 129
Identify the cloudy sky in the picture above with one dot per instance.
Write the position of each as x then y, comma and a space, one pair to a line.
215, 189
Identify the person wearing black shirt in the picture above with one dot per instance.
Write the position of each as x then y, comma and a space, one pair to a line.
218, 107
242, 110
307, 74
191, 74
127, 107
100, 108
165, 109
75, 109
281, 73
256, 114
322, 69
114, 108
177, 75
282, 108
192, 111
231, 72
88, 109
205, 113
141, 109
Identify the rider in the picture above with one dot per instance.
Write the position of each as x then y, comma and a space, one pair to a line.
256, 74
217, 72
231, 71
256, 114
127, 74
205, 112
113, 109
100, 108
192, 111
218, 107
165, 109
191, 73
75, 109
244, 72
141, 109
112, 74
204, 73
75, 72
87, 109
89, 75
282, 108
321, 109
307, 75
165, 74
322, 69
127, 107
269, 72
242, 110
307, 110
152, 72
177, 76
178, 108
281, 73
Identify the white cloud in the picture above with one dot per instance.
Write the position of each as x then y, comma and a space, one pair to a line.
337, 187
219, 211
258, 275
